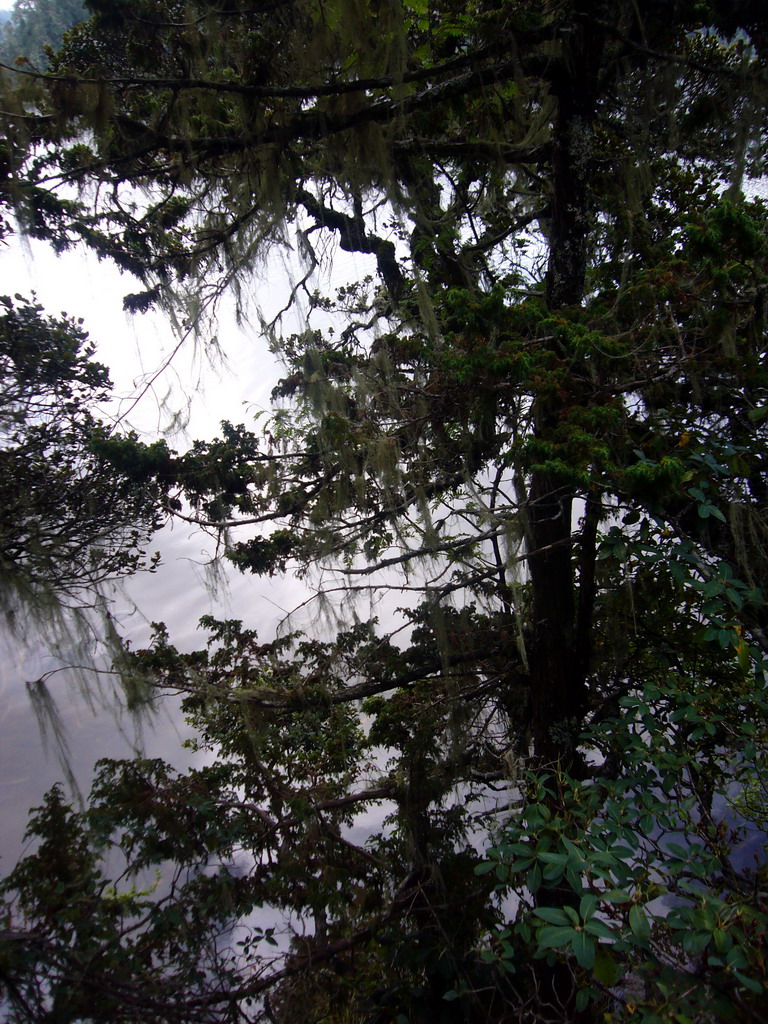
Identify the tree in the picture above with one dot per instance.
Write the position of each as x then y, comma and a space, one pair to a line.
68, 520
32, 27
539, 425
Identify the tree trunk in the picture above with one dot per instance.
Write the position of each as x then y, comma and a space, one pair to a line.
558, 668
560, 643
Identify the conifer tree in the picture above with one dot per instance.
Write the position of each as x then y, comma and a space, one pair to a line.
69, 522
33, 26
534, 436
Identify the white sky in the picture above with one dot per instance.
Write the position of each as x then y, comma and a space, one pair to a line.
134, 347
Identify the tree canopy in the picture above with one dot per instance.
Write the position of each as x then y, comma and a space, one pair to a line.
69, 521
30, 27
522, 463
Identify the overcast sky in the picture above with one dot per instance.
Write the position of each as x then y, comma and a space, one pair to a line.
134, 348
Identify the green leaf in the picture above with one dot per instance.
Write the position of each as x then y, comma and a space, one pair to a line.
573, 917
744, 659
639, 925
552, 874
736, 958
607, 970
573, 875
533, 879
521, 864
554, 937
599, 929
587, 906
575, 852
725, 638
553, 915
584, 950
615, 896
677, 850
554, 858
695, 943
749, 983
